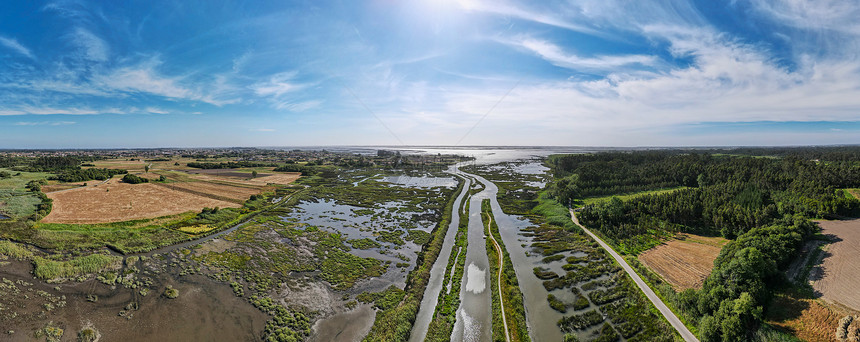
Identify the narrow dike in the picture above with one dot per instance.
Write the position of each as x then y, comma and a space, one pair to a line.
509, 307
440, 270
445, 311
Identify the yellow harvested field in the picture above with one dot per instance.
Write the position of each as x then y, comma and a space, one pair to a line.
685, 261
234, 192
837, 276
280, 178
117, 201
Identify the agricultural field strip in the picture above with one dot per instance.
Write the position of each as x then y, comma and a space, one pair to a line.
629, 196
683, 262
221, 192
499, 281
664, 310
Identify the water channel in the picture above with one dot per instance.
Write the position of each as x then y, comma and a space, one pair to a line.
474, 316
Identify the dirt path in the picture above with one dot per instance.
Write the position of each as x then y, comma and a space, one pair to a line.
499, 281
670, 316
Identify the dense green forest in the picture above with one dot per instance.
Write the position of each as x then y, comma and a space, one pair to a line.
761, 198
82, 175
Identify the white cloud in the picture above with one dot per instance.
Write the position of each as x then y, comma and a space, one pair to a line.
93, 47
45, 123
510, 10
13, 44
298, 106
837, 15
155, 110
277, 85
727, 82
143, 79
555, 55
25, 110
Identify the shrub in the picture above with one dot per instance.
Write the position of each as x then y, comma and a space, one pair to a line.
134, 179
88, 334
170, 292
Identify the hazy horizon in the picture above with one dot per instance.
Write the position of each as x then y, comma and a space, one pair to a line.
668, 73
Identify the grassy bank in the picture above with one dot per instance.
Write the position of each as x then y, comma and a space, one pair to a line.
395, 323
512, 297
445, 314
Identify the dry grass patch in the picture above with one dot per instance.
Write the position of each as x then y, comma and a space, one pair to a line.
805, 318
838, 275
280, 178
685, 261
116, 201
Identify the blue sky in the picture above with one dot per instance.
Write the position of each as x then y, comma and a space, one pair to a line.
429, 72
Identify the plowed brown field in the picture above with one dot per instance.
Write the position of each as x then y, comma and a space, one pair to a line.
684, 262
838, 276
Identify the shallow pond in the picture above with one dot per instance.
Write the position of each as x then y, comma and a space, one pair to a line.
421, 182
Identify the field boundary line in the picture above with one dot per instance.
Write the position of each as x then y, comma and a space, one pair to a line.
667, 313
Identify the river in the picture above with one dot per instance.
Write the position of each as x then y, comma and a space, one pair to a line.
474, 316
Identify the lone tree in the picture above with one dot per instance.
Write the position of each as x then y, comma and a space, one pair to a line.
146, 168
254, 174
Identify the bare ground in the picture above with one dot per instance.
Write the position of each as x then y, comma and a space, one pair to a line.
204, 311
684, 262
838, 275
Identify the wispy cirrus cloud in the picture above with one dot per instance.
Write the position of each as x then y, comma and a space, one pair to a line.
277, 85
555, 55
508, 9
92, 47
44, 123
298, 106
31, 110
14, 45
142, 79
837, 15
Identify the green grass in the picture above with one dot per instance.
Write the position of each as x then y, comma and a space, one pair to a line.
513, 307
132, 236
444, 315
15, 200
625, 197
395, 324
48, 269
13, 250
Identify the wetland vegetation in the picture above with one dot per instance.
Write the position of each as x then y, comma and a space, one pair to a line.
360, 234
511, 296
297, 253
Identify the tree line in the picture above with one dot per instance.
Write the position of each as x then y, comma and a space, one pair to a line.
764, 204
81, 175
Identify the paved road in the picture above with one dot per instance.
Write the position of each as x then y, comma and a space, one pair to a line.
670, 316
